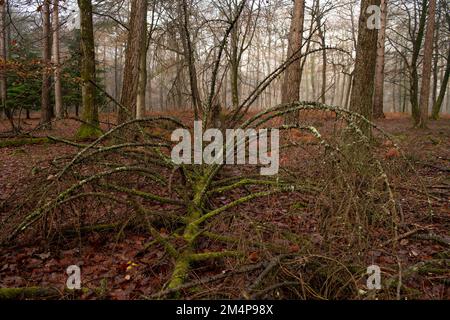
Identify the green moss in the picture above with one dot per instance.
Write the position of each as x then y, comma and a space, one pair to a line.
87, 131
26, 292
23, 141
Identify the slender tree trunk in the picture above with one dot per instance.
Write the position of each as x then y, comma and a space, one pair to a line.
142, 86
344, 86
349, 91
414, 80
361, 99
136, 36
321, 32
116, 73
379, 70
440, 98
3, 83
313, 77
46, 107
234, 67
436, 58
189, 52
291, 86
56, 60
427, 60
336, 76
90, 128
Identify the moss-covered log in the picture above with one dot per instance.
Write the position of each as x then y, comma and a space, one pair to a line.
28, 293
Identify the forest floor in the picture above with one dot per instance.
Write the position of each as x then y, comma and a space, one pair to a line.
115, 268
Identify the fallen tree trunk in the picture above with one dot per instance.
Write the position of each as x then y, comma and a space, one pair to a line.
28, 293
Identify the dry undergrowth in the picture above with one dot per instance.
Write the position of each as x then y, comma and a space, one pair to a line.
339, 191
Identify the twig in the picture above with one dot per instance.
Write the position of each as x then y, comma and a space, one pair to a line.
434, 237
206, 280
402, 236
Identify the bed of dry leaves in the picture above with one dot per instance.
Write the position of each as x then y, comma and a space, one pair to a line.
117, 269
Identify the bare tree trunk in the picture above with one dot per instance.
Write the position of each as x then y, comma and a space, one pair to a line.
313, 77
116, 73
436, 58
321, 33
291, 86
437, 105
234, 67
427, 60
56, 60
364, 74
142, 86
3, 83
349, 91
189, 52
89, 129
445, 79
344, 86
379, 71
335, 85
46, 108
414, 81
136, 36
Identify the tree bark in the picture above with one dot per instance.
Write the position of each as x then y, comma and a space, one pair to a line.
291, 86
379, 70
414, 79
142, 86
46, 108
56, 61
364, 73
3, 83
189, 52
427, 60
90, 128
321, 33
440, 98
136, 36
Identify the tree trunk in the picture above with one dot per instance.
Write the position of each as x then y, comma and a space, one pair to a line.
136, 36
414, 80
234, 67
344, 85
291, 86
56, 61
436, 58
189, 52
427, 60
313, 77
3, 83
89, 129
46, 108
437, 105
142, 86
379, 70
321, 33
364, 73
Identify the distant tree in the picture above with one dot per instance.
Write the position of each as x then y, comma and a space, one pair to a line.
25, 80
421, 121
70, 75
